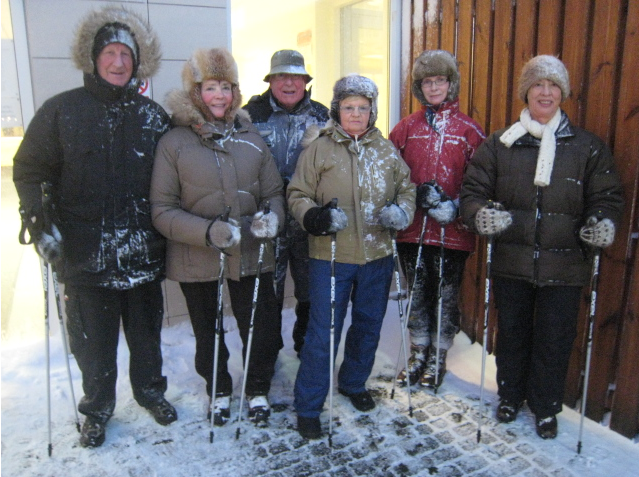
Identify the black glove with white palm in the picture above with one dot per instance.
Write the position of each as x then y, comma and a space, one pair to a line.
325, 220
393, 217
438, 205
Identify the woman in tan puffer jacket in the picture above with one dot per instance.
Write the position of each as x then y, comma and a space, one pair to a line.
212, 160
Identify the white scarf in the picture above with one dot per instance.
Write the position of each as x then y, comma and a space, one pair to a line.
545, 132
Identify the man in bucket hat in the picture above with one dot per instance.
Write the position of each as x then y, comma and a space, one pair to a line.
283, 114
95, 145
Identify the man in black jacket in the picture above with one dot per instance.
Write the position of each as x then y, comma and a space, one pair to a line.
95, 146
283, 113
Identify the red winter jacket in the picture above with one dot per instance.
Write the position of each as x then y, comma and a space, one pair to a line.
441, 155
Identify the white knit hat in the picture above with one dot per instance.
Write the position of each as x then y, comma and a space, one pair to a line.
543, 67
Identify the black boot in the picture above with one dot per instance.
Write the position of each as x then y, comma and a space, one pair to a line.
546, 427
163, 412
309, 427
416, 363
507, 410
93, 432
302, 310
430, 370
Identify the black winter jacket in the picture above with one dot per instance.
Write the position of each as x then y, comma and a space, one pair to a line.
96, 145
542, 245
283, 130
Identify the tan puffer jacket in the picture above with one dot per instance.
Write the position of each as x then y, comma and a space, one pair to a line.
199, 169
362, 174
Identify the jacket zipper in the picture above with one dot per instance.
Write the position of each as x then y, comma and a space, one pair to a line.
537, 237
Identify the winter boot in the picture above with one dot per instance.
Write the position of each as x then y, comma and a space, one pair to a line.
309, 427
259, 410
430, 370
221, 410
416, 363
546, 427
507, 410
93, 433
302, 310
362, 401
163, 412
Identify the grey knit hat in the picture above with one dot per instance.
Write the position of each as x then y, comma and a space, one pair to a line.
354, 85
435, 63
543, 67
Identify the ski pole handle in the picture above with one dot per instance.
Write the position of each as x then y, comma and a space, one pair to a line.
333, 203
267, 207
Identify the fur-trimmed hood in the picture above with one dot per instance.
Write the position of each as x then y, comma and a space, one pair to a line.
145, 37
187, 105
185, 113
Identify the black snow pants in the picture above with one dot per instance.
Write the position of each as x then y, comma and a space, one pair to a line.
93, 322
201, 301
536, 330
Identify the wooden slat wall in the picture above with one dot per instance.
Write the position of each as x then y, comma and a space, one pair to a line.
598, 41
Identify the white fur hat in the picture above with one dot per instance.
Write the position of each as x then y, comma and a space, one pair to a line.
543, 67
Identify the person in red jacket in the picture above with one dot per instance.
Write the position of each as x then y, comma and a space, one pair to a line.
436, 142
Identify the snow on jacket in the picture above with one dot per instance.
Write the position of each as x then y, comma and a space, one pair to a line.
283, 130
439, 153
363, 174
96, 145
542, 245
200, 168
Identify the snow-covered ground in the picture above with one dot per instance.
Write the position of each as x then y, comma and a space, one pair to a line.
137, 446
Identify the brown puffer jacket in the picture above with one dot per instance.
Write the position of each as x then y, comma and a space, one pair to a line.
199, 169
542, 245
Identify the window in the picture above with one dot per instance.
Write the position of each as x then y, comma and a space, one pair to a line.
336, 37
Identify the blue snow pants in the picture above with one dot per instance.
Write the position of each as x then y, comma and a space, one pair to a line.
367, 287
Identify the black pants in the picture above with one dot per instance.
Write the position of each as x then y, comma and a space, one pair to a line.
94, 316
201, 300
536, 330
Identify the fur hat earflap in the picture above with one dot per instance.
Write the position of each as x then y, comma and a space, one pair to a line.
116, 25
435, 63
543, 67
354, 85
214, 64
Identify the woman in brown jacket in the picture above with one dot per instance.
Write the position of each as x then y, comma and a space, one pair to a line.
547, 190
213, 159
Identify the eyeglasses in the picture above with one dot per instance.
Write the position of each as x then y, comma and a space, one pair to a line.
360, 109
437, 82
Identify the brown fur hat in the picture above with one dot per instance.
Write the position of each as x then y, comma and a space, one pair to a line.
136, 30
543, 67
214, 64
435, 63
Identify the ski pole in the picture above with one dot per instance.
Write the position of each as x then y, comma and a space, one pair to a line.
440, 304
47, 208
401, 317
418, 264
591, 322
218, 325
45, 286
267, 209
332, 341
489, 253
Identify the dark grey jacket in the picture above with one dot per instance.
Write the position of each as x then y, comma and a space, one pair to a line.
542, 245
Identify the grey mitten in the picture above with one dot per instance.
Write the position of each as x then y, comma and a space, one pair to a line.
339, 221
224, 234
429, 195
393, 217
265, 225
49, 246
598, 233
492, 219
444, 213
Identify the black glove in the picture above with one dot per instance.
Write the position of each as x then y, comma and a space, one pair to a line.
49, 246
429, 195
325, 220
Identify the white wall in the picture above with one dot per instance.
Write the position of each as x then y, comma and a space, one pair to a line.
181, 25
